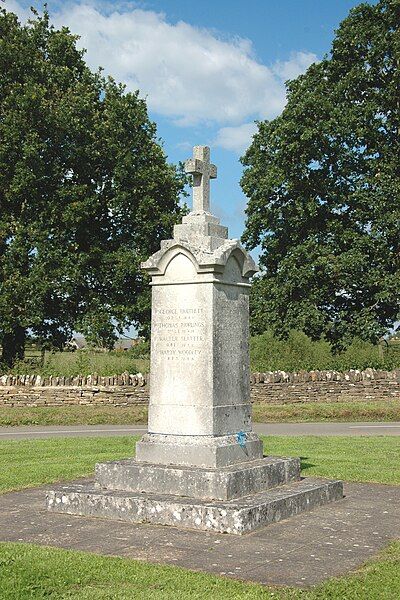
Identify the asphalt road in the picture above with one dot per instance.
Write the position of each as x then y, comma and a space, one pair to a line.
357, 429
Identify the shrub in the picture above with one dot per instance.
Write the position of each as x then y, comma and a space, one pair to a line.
298, 352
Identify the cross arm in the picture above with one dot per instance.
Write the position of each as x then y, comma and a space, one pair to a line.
194, 166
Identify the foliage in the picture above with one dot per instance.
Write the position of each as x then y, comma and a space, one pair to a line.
298, 352
140, 350
323, 181
30, 571
86, 193
267, 353
83, 362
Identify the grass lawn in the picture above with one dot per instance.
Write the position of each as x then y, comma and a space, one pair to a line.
381, 410
388, 410
27, 463
72, 415
28, 571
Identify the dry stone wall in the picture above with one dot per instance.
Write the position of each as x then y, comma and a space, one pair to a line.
273, 387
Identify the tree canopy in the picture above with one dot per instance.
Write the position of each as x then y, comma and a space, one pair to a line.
86, 192
323, 182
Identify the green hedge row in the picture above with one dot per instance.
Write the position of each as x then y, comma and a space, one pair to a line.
299, 352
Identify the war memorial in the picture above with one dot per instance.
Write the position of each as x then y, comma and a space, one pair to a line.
200, 465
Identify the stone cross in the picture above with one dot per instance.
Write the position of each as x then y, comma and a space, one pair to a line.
199, 166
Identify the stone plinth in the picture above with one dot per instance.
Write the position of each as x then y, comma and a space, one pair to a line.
208, 484
238, 516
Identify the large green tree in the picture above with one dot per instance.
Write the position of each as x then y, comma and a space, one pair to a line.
323, 181
85, 192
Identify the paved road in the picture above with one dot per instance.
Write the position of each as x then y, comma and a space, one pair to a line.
38, 431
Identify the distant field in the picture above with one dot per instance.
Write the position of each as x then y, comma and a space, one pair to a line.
82, 362
267, 353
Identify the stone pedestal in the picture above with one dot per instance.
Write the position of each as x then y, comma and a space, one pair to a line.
199, 382
200, 465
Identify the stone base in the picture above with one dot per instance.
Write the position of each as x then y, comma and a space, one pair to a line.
198, 451
236, 516
195, 482
233, 499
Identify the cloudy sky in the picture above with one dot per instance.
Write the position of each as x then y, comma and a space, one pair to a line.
208, 69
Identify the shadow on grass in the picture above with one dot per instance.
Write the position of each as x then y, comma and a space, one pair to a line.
304, 465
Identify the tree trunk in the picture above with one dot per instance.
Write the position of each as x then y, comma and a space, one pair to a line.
13, 344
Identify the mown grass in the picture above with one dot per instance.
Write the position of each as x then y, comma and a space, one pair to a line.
29, 571
385, 410
72, 415
370, 459
379, 410
29, 463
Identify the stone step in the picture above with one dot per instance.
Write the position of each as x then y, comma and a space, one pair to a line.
237, 516
195, 482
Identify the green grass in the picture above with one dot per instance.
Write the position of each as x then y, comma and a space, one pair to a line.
380, 410
387, 410
28, 571
371, 459
84, 362
72, 415
28, 463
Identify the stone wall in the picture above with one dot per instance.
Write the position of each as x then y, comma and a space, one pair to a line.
34, 390
277, 387
325, 386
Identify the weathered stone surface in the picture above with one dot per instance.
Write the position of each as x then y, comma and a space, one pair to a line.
199, 371
237, 516
198, 451
292, 388
328, 541
214, 484
200, 464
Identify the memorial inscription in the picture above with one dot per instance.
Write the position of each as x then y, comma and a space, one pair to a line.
179, 332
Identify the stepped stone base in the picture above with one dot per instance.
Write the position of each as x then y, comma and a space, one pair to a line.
235, 499
236, 516
203, 483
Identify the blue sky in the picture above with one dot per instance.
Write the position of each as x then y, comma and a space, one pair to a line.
208, 69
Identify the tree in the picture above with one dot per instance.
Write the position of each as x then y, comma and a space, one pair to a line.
86, 193
323, 181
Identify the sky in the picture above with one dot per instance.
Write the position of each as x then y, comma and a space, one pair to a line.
207, 69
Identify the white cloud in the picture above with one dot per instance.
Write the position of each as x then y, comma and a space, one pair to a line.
295, 66
188, 74
235, 138
12, 6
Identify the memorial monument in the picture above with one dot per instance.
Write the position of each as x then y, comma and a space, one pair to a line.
200, 465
